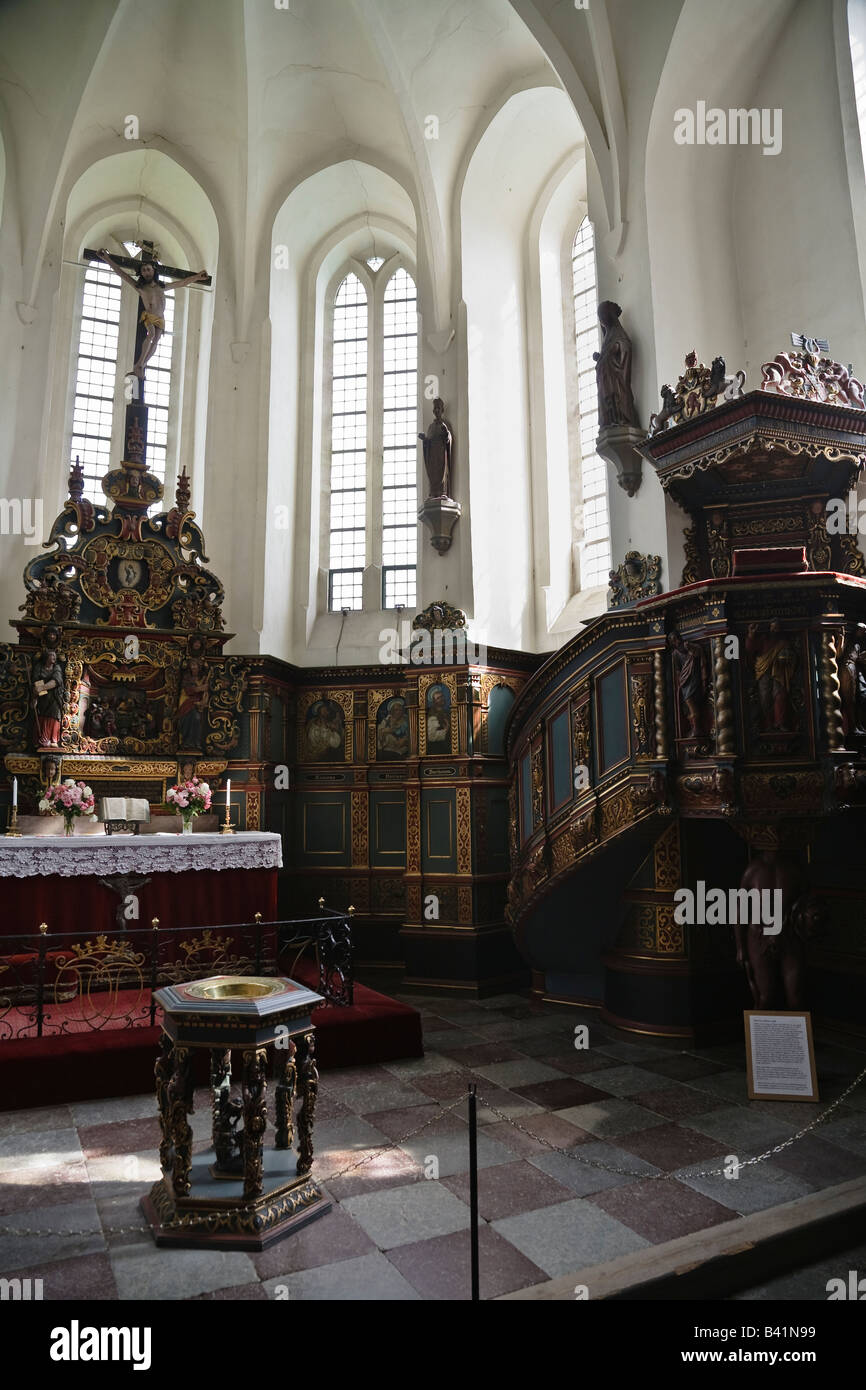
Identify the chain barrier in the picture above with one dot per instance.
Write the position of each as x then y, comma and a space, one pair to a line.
573, 1154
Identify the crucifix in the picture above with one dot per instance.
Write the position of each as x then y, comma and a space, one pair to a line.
150, 290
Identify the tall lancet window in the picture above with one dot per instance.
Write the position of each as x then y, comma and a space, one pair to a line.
399, 442
93, 409
374, 438
109, 314
348, 549
595, 552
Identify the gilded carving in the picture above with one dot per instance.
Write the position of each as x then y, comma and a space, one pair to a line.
640, 716
616, 813
254, 1082
724, 705
309, 1083
854, 561
831, 691
413, 830
718, 545
697, 391
464, 830
692, 568
537, 778
359, 829
661, 732
254, 808
667, 870
580, 733
562, 852
639, 576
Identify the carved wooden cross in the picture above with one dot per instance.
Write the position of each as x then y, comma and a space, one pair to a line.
133, 265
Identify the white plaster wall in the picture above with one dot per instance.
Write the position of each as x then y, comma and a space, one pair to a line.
309, 127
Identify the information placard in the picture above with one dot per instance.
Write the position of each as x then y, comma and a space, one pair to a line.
780, 1055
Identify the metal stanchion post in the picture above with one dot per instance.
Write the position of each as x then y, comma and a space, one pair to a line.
473, 1191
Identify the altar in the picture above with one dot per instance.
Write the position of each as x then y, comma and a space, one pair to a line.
102, 883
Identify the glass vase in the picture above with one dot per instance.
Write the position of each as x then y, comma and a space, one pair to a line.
187, 825
69, 825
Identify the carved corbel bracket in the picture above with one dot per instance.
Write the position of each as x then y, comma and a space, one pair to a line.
441, 515
621, 446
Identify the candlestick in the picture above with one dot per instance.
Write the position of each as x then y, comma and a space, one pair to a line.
226, 827
12, 828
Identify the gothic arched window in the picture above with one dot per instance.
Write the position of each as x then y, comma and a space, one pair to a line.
374, 428
106, 334
595, 550
348, 547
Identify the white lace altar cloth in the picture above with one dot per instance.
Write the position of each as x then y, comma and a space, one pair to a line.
34, 855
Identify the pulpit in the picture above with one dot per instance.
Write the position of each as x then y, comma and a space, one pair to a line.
241, 1194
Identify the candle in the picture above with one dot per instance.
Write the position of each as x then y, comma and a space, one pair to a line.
228, 791
14, 791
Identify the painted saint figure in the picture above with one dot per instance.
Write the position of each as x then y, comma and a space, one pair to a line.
437, 447
150, 291
324, 731
438, 719
613, 369
392, 732
49, 691
690, 673
192, 704
774, 660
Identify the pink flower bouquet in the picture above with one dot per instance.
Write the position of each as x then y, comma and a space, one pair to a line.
69, 799
190, 799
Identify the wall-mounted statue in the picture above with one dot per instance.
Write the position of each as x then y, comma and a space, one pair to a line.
49, 692
613, 369
437, 445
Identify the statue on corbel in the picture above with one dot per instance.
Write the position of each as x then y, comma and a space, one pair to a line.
440, 511
620, 434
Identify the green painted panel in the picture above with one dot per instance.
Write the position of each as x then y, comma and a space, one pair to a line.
560, 759
439, 831
498, 709
324, 822
388, 828
612, 718
525, 797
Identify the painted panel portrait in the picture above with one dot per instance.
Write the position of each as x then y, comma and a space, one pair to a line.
438, 716
392, 729
324, 732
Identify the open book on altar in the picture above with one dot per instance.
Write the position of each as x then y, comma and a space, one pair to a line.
129, 808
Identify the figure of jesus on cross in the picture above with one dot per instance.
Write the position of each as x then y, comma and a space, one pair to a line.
150, 291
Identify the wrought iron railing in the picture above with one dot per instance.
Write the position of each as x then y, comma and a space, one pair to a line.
56, 983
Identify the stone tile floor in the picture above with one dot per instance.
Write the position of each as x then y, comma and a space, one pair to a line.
584, 1155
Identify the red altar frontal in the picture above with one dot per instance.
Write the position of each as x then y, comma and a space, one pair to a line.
98, 884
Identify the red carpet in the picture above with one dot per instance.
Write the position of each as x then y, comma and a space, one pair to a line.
88, 1065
